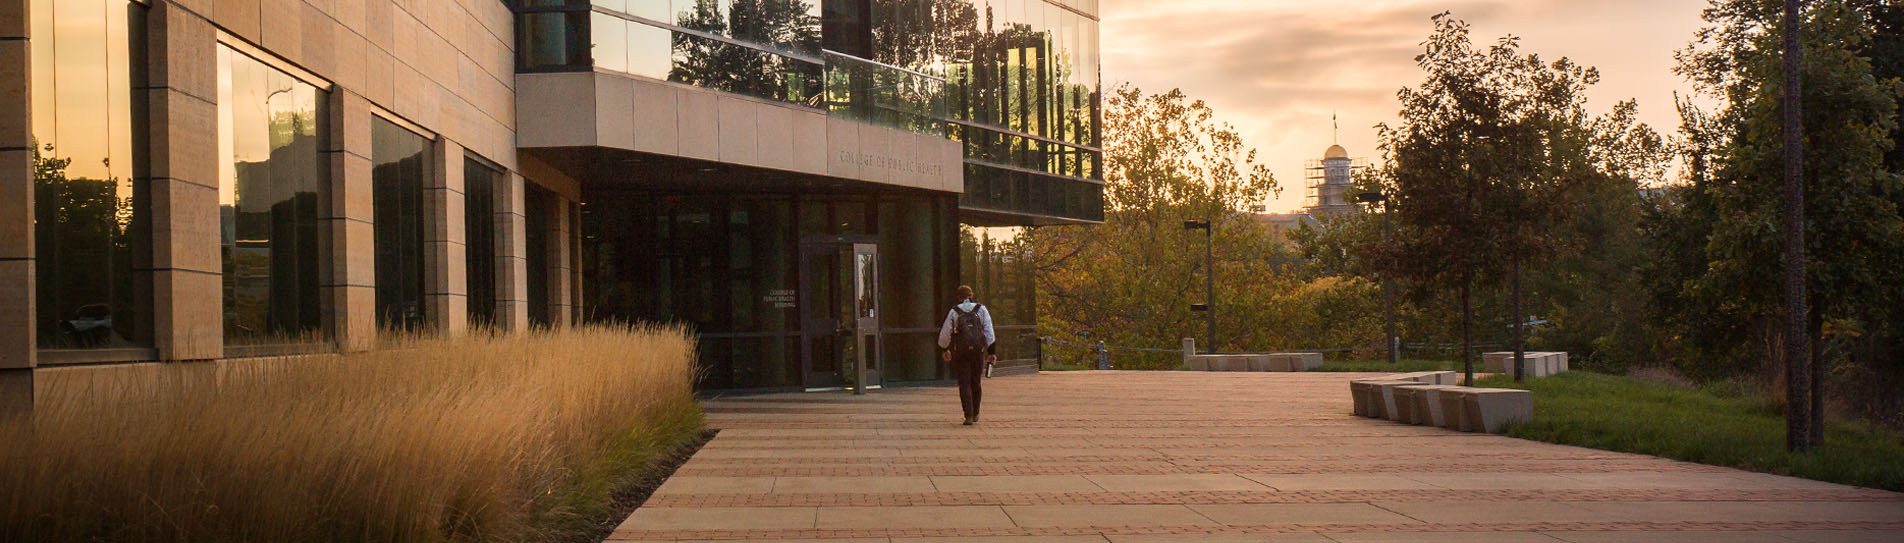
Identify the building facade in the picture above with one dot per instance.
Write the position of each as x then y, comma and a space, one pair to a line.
188, 180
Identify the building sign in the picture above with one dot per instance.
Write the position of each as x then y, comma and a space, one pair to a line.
889, 162
778, 299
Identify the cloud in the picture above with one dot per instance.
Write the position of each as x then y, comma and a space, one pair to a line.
1278, 69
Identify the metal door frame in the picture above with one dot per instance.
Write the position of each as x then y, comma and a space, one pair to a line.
848, 247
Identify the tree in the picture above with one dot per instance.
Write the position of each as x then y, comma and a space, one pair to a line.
1480, 170
1127, 282
1853, 230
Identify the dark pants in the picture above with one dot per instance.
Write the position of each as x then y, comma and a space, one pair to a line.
970, 369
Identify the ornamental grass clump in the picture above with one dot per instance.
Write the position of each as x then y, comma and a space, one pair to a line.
480, 437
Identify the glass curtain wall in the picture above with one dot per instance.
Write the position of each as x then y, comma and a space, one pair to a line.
273, 183
728, 266
400, 168
480, 183
1024, 95
763, 48
92, 230
997, 263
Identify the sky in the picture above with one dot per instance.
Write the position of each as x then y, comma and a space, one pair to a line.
1277, 69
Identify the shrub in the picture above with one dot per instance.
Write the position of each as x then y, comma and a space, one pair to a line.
428, 439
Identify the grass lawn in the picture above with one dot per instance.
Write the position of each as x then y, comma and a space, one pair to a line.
1632, 415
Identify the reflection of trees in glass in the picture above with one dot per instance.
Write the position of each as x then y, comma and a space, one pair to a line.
921, 35
82, 238
275, 250
736, 68
272, 238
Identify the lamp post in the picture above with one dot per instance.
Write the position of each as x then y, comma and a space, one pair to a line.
1388, 289
1209, 280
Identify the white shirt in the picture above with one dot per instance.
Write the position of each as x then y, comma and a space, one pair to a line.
952, 317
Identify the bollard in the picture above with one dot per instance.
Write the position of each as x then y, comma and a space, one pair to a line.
1189, 350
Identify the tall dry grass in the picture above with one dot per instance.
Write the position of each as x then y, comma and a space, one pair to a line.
471, 438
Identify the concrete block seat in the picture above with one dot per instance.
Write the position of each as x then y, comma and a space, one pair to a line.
1418, 404
1459, 408
1230, 362
1539, 363
1263, 362
1375, 398
1295, 361
1490, 409
1428, 377
1252, 362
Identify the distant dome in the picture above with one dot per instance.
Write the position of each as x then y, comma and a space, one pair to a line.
1335, 151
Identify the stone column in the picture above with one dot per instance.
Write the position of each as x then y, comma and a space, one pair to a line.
350, 286
182, 169
445, 248
18, 343
512, 255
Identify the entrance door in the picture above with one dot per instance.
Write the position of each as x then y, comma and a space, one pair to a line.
839, 314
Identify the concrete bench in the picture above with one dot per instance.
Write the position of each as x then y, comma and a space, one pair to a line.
1428, 377
1363, 392
1539, 363
1219, 362
1418, 404
1296, 361
1253, 362
1428, 403
1376, 397
1465, 409
1263, 362
1490, 409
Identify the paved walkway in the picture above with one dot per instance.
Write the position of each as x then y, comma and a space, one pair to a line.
1197, 457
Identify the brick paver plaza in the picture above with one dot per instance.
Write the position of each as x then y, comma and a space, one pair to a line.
1197, 457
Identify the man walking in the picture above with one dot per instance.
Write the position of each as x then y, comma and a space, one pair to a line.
968, 342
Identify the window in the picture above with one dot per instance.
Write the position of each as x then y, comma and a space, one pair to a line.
551, 35
400, 169
92, 225
272, 182
539, 204
480, 182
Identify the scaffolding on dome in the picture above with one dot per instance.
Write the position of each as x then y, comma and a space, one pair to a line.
1328, 181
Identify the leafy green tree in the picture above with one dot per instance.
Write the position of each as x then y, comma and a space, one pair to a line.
1491, 150
1131, 280
1854, 235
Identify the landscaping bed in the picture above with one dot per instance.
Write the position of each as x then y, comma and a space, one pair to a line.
1740, 430
522, 437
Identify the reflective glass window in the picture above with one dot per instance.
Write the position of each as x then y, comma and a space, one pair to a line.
656, 10
552, 39
481, 185
539, 205
400, 170
272, 185
611, 41
650, 51
92, 228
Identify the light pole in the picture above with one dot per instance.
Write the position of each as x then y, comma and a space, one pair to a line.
1388, 289
1209, 280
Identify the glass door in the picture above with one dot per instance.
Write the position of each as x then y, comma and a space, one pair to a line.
839, 314
866, 316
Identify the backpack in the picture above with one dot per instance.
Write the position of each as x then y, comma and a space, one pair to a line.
968, 331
